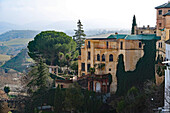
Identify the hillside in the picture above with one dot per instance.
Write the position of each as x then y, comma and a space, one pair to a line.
17, 42
15, 34
19, 62
4, 57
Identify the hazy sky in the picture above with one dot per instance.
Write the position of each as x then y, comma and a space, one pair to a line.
108, 13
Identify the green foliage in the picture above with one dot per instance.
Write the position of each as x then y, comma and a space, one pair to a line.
120, 107
74, 66
133, 25
18, 62
39, 77
92, 70
73, 98
49, 44
58, 100
132, 102
132, 91
145, 69
101, 66
79, 36
142, 100
14, 34
7, 89
67, 100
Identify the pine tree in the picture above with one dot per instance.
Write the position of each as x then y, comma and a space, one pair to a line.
79, 36
133, 25
39, 77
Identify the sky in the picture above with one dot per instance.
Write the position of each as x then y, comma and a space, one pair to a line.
105, 13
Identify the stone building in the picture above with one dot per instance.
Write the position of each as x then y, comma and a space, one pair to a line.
96, 83
145, 30
163, 26
53, 70
102, 54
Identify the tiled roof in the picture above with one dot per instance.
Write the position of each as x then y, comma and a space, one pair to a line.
166, 5
129, 37
166, 14
118, 36
136, 37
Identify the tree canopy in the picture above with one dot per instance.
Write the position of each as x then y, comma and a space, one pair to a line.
79, 36
49, 44
39, 77
7, 89
133, 25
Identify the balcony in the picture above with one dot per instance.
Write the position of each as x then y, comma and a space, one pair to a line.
105, 47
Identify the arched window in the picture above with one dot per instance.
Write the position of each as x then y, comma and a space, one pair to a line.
110, 57
98, 57
103, 57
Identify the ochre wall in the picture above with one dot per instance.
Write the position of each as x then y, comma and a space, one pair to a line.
131, 51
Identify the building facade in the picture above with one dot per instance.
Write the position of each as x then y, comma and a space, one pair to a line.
145, 30
102, 54
163, 26
96, 83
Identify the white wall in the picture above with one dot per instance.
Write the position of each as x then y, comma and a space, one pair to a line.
168, 51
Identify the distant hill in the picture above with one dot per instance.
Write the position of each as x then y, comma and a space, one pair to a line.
14, 34
4, 57
19, 62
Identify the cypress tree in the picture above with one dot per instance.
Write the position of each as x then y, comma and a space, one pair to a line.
133, 25
79, 36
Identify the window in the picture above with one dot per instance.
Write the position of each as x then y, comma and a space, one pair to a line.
107, 44
83, 74
160, 24
83, 66
140, 45
103, 57
61, 86
168, 10
88, 56
161, 44
88, 67
110, 57
160, 12
98, 57
121, 45
109, 69
141, 32
88, 44
154, 31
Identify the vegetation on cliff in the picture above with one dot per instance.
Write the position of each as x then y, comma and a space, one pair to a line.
145, 69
